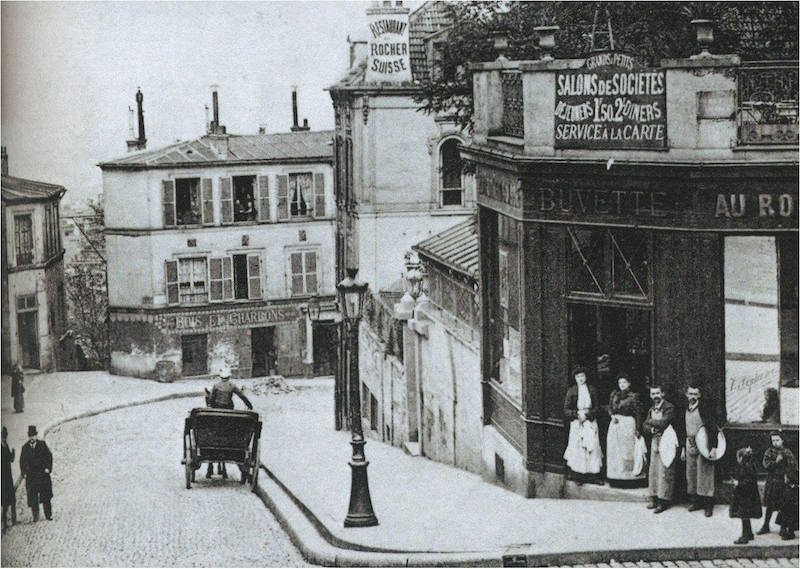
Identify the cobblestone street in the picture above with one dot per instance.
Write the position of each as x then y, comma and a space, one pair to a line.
120, 501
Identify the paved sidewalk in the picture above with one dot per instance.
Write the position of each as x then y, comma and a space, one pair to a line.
425, 506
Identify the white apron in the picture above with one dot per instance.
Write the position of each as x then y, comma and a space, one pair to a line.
583, 453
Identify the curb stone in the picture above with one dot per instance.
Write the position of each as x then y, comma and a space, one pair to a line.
315, 548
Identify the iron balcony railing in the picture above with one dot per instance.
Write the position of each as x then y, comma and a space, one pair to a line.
512, 104
767, 103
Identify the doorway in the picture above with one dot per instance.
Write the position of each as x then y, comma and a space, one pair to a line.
262, 351
325, 345
607, 340
28, 334
194, 354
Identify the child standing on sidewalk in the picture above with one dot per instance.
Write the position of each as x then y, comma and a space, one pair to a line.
746, 503
778, 460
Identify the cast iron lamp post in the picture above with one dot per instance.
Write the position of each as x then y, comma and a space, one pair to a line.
351, 302
314, 308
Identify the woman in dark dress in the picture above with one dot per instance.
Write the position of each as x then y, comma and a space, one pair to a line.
9, 498
777, 461
624, 429
746, 503
583, 454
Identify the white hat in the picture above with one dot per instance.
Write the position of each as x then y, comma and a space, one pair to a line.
225, 373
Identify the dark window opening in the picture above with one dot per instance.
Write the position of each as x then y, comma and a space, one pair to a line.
23, 235
373, 413
499, 469
187, 201
240, 288
244, 198
450, 168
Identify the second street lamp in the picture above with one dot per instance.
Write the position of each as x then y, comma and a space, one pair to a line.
352, 294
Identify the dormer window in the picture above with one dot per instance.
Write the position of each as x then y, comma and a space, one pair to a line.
451, 192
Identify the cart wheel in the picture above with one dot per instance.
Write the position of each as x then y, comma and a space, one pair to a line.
244, 470
189, 469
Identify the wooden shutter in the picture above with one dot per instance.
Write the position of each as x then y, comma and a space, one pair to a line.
319, 195
296, 285
215, 279
171, 274
227, 278
283, 198
310, 269
208, 201
226, 199
263, 198
168, 202
254, 276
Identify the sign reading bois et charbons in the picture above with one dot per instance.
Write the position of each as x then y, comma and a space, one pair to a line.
388, 58
611, 102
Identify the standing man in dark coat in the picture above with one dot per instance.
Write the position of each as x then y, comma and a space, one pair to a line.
36, 462
9, 496
18, 389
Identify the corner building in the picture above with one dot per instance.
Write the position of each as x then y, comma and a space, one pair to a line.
652, 231
215, 246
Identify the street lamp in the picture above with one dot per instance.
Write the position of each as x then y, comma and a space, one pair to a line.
314, 308
351, 302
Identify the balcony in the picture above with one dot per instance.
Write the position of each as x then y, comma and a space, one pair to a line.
767, 103
699, 108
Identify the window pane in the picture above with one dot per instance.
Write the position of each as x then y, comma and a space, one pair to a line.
311, 283
297, 263
629, 261
587, 266
450, 164
311, 262
752, 341
297, 284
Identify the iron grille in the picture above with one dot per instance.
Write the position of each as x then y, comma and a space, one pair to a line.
512, 104
768, 108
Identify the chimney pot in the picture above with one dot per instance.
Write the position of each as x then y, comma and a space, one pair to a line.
142, 137
295, 125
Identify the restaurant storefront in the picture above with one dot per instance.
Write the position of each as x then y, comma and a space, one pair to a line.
668, 272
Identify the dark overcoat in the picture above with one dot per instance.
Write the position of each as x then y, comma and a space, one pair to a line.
787, 515
571, 403
32, 463
746, 502
8, 478
774, 487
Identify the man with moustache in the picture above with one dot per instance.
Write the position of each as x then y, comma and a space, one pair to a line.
661, 478
699, 470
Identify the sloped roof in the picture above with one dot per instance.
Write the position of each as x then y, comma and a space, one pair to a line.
430, 18
20, 190
455, 247
288, 146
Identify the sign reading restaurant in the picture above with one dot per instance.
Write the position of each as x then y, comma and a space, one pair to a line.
389, 55
611, 102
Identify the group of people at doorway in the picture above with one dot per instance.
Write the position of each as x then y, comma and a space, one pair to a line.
700, 444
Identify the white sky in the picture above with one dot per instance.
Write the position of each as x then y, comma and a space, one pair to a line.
70, 71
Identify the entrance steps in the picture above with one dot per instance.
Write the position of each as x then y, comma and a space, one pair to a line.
604, 493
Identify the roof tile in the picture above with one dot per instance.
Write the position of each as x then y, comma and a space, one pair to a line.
20, 190
455, 247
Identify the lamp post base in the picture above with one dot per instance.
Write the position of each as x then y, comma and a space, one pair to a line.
360, 513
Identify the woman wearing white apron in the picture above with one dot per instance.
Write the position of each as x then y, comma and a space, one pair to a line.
583, 455
624, 429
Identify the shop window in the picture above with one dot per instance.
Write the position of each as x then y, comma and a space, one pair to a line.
509, 364
761, 329
244, 198
23, 239
609, 262
303, 267
187, 281
451, 188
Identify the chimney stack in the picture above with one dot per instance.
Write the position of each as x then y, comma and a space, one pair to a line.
135, 143
216, 128
5, 160
295, 126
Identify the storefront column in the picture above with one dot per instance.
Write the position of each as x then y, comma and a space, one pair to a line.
309, 359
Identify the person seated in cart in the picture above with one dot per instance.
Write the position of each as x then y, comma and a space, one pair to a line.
221, 397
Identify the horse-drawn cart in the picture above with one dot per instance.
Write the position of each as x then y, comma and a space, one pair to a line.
222, 435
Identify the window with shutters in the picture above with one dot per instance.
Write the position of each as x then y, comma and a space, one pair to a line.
245, 206
303, 273
208, 201
319, 195
192, 281
23, 239
451, 186
186, 202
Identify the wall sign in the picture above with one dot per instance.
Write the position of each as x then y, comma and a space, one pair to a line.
245, 318
388, 57
611, 102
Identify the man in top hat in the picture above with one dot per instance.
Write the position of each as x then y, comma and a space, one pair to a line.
35, 463
221, 397
699, 469
661, 478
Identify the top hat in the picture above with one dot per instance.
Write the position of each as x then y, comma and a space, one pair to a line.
31, 430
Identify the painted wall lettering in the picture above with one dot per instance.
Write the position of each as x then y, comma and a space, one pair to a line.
756, 205
229, 319
388, 57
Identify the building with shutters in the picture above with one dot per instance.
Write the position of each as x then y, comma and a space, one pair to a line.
215, 246
33, 272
